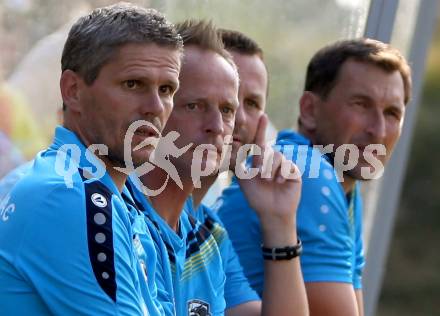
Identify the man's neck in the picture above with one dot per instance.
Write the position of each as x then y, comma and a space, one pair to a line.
304, 132
119, 178
169, 203
199, 193
348, 184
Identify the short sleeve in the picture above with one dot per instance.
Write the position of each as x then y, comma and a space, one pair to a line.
324, 229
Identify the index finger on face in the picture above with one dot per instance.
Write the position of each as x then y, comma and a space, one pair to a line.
260, 136
260, 139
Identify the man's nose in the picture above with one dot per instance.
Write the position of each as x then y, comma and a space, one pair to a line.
377, 127
214, 123
152, 104
240, 117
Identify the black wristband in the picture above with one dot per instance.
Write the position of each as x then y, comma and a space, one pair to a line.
284, 253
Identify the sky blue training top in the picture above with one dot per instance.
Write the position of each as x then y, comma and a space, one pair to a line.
237, 288
69, 243
329, 223
194, 259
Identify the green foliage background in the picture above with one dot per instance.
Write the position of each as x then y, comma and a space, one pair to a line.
289, 31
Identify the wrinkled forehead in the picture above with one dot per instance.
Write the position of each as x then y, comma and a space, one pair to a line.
370, 79
199, 62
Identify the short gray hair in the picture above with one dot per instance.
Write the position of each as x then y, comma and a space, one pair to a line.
96, 37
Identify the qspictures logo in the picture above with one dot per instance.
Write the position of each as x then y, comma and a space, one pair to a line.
345, 158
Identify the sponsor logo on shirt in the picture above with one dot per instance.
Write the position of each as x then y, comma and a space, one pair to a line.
99, 200
198, 308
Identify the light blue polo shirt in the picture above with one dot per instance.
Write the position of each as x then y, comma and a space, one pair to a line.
237, 288
329, 223
69, 245
194, 259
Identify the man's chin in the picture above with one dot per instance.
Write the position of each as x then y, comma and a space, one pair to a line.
140, 157
236, 146
365, 172
209, 164
229, 164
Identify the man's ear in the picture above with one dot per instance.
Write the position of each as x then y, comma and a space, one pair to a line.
70, 85
308, 109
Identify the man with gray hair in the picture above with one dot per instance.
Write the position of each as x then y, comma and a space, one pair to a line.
72, 242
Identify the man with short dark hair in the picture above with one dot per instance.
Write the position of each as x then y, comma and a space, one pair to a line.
204, 115
355, 93
72, 242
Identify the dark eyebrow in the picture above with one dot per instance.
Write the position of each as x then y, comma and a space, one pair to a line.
361, 96
395, 107
232, 104
369, 99
174, 83
255, 96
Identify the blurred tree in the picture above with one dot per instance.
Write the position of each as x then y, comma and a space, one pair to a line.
288, 31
